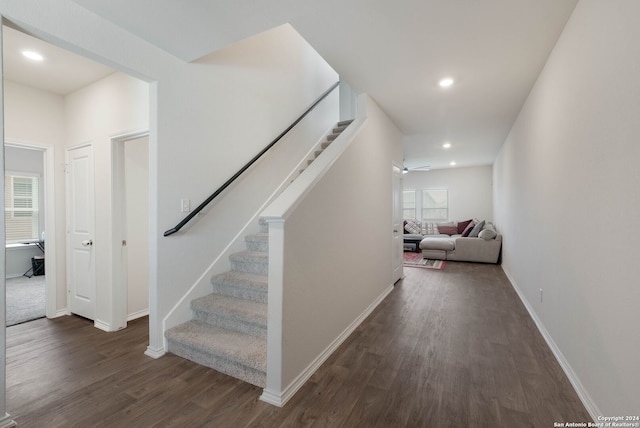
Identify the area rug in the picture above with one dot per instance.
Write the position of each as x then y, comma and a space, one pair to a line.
415, 260
25, 299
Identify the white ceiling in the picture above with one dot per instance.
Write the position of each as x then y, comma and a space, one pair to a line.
61, 72
394, 51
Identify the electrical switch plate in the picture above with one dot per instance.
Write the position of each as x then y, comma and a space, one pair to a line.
185, 205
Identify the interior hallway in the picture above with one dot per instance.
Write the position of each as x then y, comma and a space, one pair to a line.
449, 348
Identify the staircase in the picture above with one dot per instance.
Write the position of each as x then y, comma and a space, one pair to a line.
341, 126
228, 331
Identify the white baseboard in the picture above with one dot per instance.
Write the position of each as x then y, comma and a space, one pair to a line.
154, 353
280, 398
60, 313
102, 325
139, 314
7, 422
584, 396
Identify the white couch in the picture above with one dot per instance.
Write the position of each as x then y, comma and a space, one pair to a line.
482, 244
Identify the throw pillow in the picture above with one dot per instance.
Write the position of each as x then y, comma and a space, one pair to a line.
413, 226
462, 225
448, 230
467, 230
487, 234
431, 229
476, 230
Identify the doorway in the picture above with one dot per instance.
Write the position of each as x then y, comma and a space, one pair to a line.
33, 162
131, 222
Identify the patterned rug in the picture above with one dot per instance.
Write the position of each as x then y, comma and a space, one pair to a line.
415, 260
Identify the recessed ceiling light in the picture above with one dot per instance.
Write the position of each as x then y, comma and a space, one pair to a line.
34, 56
452, 164
446, 82
446, 145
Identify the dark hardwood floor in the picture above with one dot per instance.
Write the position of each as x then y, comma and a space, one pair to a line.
452, 348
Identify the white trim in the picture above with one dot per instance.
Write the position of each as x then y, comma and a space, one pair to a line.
583, 394
60, 313
102, 326
154, 353
280, 398
7, 422
288, 200
118, 232
139, 314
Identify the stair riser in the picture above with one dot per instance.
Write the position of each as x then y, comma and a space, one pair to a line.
257, 267
259, 245
223, 365
233, 324
239, 292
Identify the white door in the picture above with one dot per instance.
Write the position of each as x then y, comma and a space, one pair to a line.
81, 266
397, 233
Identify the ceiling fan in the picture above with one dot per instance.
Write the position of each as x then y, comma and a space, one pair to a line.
416, 168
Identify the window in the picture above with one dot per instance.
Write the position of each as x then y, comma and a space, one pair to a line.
408, 204
21, 208
435, 205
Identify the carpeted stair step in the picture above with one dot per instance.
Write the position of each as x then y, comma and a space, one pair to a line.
231, 313
332, 137
258, 242
239, 355
250, 262
345, 123
325, 145
241, 285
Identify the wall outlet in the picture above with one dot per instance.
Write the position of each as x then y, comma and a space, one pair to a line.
185, 205
541, 295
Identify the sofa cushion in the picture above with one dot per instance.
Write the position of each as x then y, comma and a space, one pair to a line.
476, 230
462, 225
487, 234
413, 226
443, 244
448, 230
467, 230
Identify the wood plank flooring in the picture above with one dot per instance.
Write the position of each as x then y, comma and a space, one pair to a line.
451, 348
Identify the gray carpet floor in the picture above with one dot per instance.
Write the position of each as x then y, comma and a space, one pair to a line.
26, 299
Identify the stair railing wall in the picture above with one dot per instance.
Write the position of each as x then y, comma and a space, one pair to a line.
318, 228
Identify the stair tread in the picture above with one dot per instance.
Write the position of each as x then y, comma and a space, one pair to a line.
252, 280
238, 308
245, 349
250, 255
260, 235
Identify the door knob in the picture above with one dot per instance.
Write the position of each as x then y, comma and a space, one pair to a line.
87, 243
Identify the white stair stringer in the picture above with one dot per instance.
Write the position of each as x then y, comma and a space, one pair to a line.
228, 332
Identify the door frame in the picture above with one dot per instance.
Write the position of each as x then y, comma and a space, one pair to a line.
397, 271
50, 260
118, 223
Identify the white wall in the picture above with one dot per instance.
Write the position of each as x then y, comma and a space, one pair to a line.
567, 201
470, 190
117, 104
